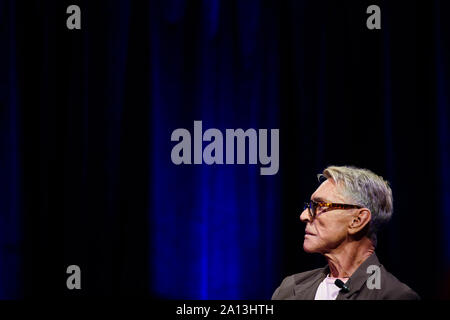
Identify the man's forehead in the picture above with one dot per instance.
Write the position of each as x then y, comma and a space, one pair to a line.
327, 191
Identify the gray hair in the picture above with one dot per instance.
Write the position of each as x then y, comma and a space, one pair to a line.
366, 189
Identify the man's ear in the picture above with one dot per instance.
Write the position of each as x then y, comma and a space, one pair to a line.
360, 221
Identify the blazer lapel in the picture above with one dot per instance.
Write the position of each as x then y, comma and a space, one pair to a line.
307, 289
358, 278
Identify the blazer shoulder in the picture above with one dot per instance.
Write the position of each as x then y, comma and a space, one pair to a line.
397, 290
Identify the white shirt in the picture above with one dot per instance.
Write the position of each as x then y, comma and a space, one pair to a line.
327, 290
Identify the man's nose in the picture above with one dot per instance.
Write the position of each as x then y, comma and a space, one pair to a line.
304, 216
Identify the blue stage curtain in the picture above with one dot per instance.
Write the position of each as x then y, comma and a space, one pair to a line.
441, 28
213, 228
10, 160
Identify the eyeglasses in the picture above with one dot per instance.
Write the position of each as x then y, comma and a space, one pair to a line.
312, 207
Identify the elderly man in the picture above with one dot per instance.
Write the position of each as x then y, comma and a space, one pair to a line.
342, 220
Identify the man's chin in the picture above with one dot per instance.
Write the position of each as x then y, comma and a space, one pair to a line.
308, 248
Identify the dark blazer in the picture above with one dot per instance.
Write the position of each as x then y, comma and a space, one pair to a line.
303, 286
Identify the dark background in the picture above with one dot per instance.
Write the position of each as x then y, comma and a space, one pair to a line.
86, 117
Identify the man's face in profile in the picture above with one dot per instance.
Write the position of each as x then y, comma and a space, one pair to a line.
329, 228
